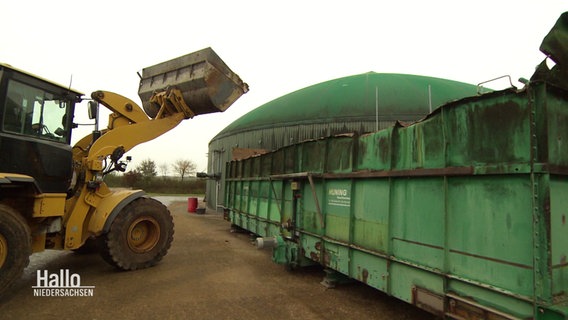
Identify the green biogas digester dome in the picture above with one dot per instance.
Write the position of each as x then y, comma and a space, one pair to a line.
361, 103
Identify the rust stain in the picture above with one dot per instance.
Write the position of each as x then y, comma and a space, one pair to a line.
314, 256
563, 219
492, 259
318, 246
358, 273
453, 171
365, 275
384, 149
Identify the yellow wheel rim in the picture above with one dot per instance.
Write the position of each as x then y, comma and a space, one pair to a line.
143, 234
3, 250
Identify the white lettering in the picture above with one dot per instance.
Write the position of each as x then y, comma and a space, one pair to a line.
60, 284
53, 280
75, 280
64, 292
338, 192
42, 279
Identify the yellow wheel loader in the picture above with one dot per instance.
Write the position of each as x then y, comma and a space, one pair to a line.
53, 195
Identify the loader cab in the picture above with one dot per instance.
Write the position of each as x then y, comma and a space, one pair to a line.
36, 118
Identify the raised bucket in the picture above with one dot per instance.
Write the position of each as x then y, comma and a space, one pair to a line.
191, 205
205, 81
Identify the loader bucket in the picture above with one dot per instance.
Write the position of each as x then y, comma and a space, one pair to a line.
206, 83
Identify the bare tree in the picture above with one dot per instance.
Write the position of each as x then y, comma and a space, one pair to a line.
184, 167
163, 169
147, 168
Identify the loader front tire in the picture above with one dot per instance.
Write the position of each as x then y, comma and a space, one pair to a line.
140, 236
15, 246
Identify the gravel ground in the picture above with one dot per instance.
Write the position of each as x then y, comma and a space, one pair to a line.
209, 273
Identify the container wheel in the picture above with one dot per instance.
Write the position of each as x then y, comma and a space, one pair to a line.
15, 246
140, 236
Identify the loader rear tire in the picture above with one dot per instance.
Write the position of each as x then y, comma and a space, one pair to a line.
140, 236
15, 246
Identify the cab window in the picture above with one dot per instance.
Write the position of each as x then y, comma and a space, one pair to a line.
35, 112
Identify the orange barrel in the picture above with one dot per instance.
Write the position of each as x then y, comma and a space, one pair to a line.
191, 205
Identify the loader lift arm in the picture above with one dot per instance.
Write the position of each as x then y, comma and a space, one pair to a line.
172, 91
53, 196
129, 126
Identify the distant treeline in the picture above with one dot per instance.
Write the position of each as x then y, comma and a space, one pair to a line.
145, 176
167, 185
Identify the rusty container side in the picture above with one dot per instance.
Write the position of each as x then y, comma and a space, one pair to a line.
461, 213
206, 82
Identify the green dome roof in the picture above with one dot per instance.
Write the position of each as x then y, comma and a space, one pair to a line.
354, 98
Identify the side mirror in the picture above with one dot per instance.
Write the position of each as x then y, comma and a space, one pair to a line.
93, 109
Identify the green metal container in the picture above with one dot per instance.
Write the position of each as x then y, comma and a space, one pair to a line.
462, 213
364, 103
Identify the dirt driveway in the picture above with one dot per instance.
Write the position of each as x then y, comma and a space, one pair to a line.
209, 273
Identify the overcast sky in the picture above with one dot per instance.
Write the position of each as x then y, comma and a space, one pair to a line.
275, 46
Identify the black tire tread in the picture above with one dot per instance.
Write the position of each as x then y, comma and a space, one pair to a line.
114, 248
18, 235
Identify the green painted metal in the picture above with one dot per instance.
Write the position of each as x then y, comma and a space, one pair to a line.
347, 104
399, 97
463, 213
467, 206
